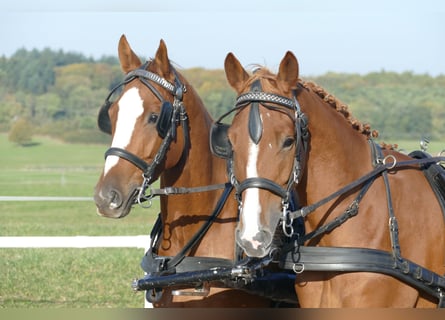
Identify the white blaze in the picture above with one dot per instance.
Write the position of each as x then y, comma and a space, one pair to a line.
251, 208
130, 107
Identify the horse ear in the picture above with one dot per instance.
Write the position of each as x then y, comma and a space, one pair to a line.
161, 59
288, 73
235, 73
129, 60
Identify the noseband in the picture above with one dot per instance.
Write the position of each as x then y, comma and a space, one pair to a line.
256, 97
170, 117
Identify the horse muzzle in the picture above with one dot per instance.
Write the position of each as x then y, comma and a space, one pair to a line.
257, 246
111, 203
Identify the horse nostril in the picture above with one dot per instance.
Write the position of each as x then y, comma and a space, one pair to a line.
264, 237
256, 246
115, 199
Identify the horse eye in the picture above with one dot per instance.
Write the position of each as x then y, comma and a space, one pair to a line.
288, 142
153, 118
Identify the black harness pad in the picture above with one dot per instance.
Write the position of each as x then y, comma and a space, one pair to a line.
219, 141
435, 174
103, 118
165, 119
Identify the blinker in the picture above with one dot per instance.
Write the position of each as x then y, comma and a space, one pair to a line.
165, 119
103, 119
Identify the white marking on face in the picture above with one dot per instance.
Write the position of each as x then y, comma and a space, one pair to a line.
130, 108
251, 208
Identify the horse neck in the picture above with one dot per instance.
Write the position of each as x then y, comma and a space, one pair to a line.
338, 154
186, 213
199, 166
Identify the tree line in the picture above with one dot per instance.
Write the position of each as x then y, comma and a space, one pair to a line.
59, 93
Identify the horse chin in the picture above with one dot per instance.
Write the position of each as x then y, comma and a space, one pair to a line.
259, 252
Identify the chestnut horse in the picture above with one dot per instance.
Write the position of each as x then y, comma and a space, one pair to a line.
160, 129
286, 135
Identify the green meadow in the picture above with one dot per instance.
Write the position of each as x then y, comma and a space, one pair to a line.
70, 278
67, 278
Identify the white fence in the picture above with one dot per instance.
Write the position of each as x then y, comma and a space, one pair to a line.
139, 241
28, 198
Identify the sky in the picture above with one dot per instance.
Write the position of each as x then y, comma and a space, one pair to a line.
325, 35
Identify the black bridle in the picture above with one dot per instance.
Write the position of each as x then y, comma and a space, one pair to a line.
256, 97
170, 117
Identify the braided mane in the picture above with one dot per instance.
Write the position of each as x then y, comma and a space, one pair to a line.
340, 107
363, 128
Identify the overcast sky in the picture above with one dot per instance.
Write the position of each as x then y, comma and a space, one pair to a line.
326, 35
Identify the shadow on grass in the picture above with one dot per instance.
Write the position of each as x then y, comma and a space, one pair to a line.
29, 144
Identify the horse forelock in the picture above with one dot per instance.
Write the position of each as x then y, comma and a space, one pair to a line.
262, 73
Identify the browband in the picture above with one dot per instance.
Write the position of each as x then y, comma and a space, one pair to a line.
250, 97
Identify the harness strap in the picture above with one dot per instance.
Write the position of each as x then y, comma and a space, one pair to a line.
161, 265
148, 173
336, 259
262, 183
392, 222
124, 154
307, 258
350, 212
142, 73
303, 212
184, 190
169, 264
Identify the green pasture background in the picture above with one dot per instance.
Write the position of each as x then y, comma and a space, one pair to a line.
70, 278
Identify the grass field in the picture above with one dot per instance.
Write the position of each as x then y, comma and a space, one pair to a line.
434, 147
73, 278
69, 278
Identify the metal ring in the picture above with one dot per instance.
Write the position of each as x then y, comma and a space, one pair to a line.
143, 197
146, 206
390, 156
301, 265
285, 226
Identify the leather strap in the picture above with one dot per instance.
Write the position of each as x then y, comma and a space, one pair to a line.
255, 124
262, 183
124, 154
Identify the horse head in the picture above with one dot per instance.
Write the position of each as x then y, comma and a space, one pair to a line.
265, 135
144, 122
